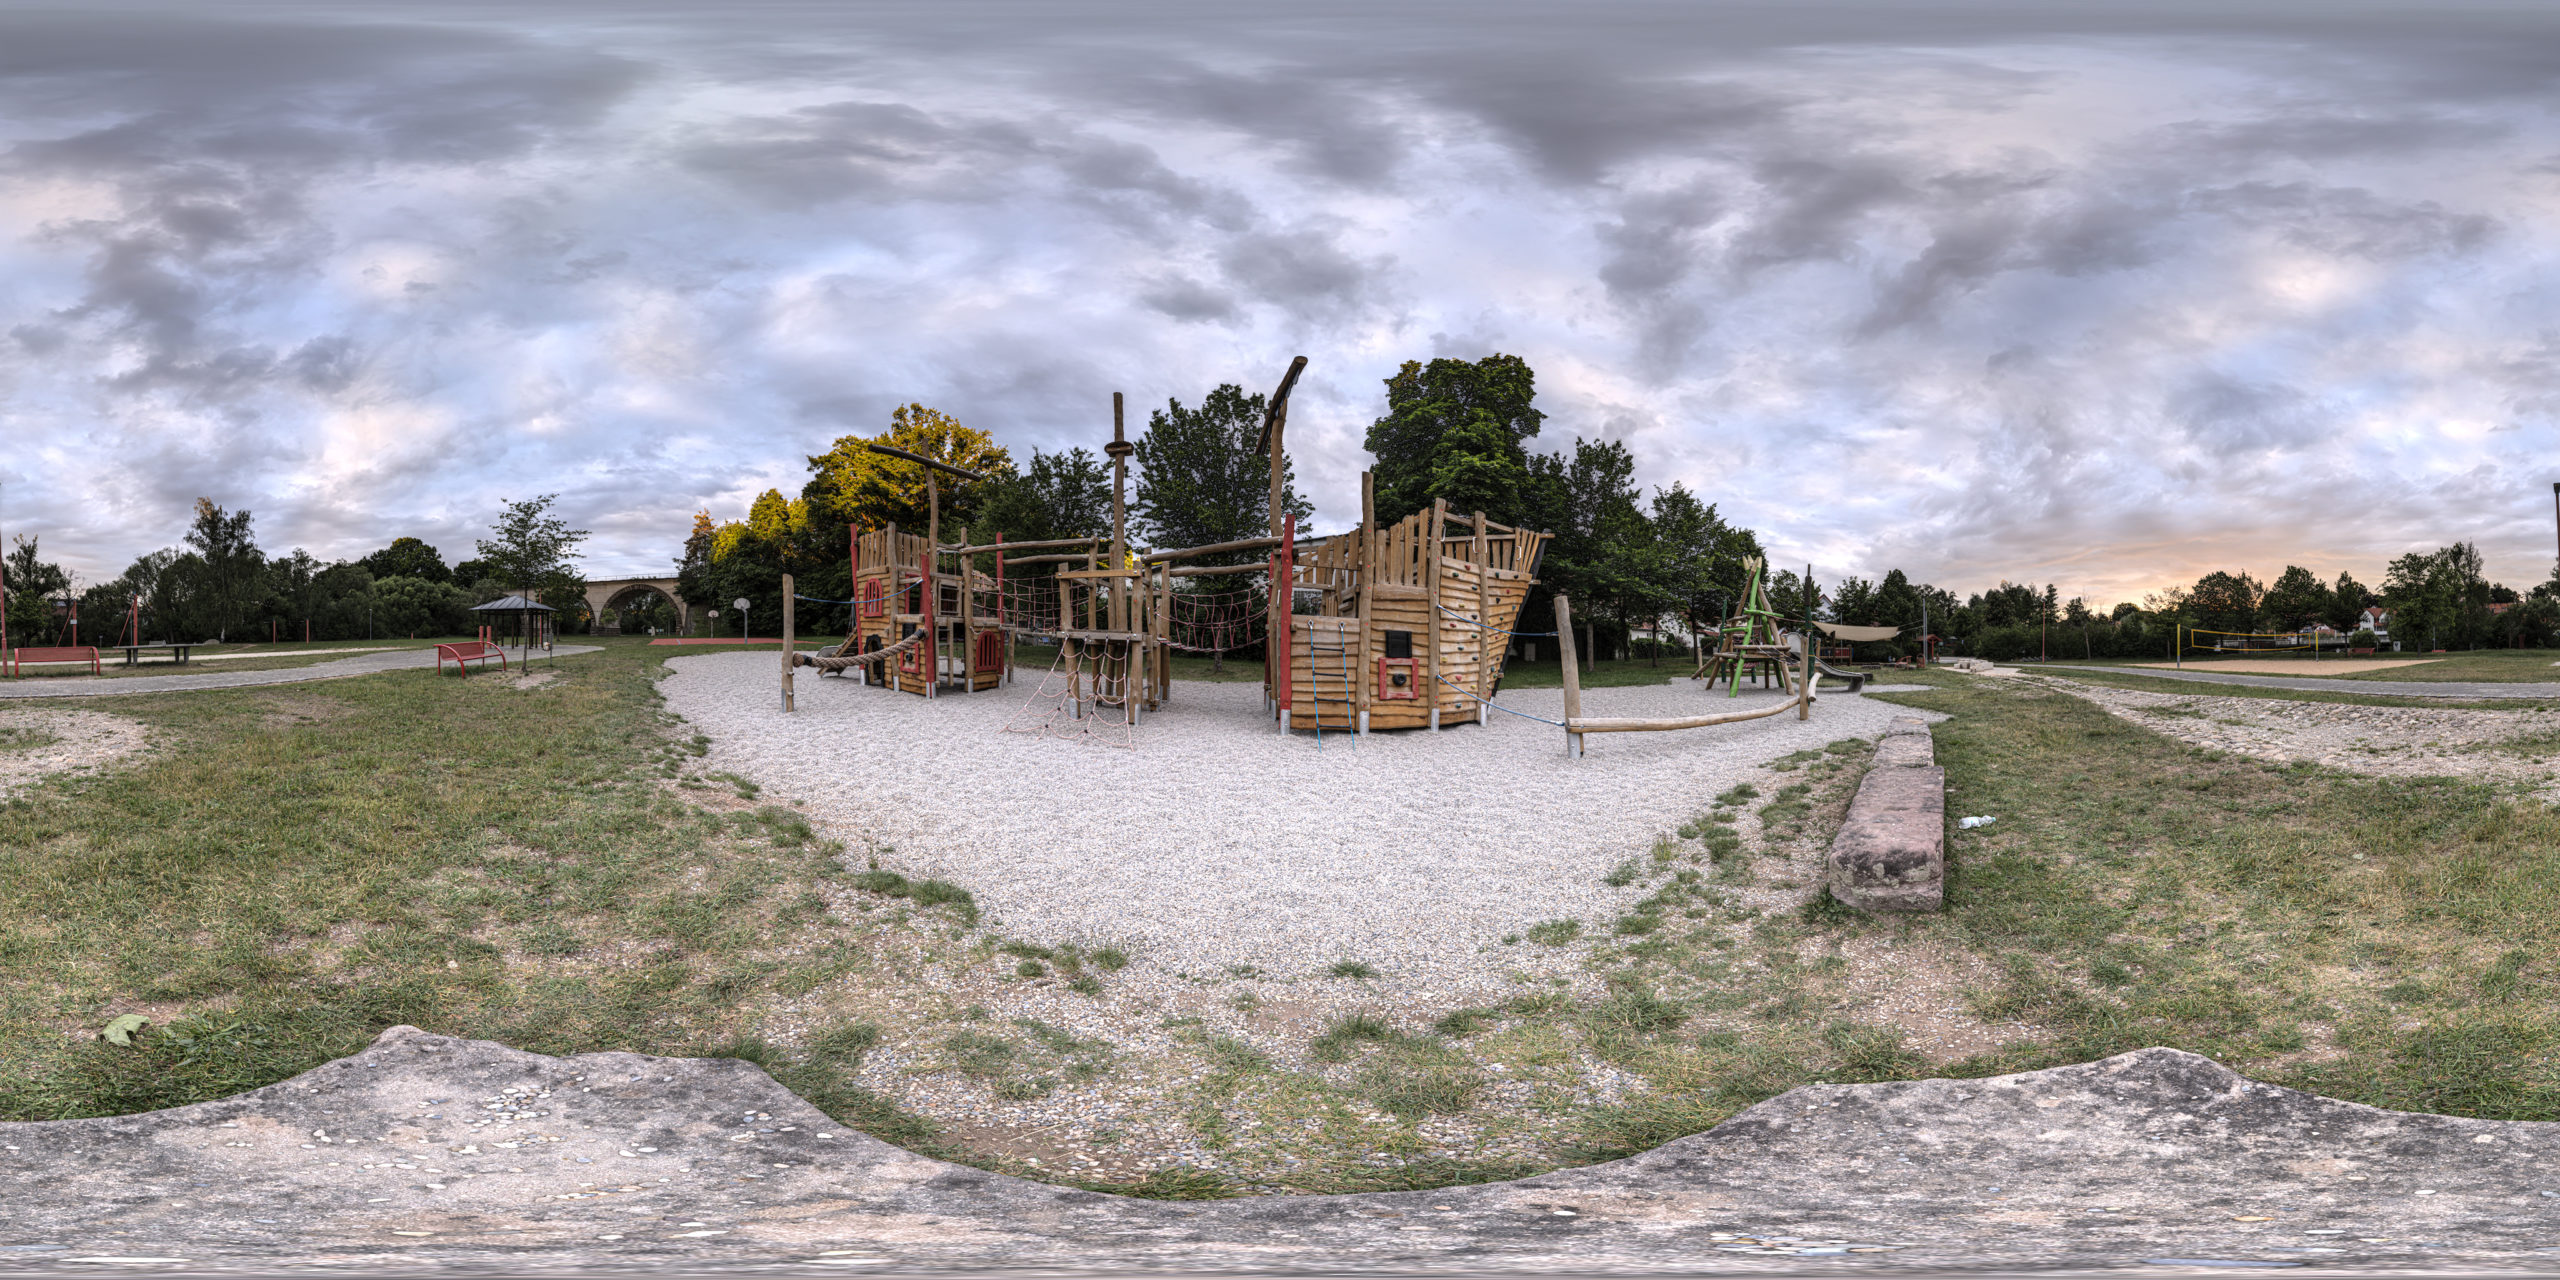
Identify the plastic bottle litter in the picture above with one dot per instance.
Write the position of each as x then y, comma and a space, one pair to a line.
1970, 823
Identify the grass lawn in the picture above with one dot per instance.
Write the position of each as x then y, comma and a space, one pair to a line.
298, 867
2371, 939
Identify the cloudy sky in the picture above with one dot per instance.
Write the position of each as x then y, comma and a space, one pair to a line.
2106, 294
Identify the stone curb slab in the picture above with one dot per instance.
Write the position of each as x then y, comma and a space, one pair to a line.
1891, 851
426, 1153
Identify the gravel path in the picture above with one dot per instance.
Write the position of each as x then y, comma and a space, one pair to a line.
2403, 688
1215, 842
365, 665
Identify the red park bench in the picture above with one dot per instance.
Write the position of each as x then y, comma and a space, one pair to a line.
67, 653
465, 652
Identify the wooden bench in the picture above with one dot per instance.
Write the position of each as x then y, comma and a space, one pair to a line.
467, 652
65, 653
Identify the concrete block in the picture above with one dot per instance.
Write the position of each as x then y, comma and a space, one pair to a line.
1891, 853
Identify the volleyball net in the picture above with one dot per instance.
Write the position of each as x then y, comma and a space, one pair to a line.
2278, 644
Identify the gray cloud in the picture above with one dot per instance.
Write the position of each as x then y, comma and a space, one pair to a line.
2107, 293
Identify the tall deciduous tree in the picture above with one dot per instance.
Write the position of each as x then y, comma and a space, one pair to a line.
1697, 565
1060, 495
33, 585
1603, 545
532, 551
1455, 430
408, 558
850, 485
227, 567
2295, 599
2222, 601
1200, 477
693, 566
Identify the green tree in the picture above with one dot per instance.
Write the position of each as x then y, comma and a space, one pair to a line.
850, 485
418, 607
2348, 599
1060, 495
1603, 545
1201, 478
228, 569
33, 585
693, 566
2438, 599
1697, 557
531, 551
2297, 598
2223, 601
407, 558
1455, 430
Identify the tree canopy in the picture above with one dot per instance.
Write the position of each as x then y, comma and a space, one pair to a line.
1456, 429
407, 558
850, 485
1200, 477
530, 550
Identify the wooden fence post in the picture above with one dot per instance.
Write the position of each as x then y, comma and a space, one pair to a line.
1572, 677
789, 650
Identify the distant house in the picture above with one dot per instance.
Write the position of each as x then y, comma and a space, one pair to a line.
2376, 620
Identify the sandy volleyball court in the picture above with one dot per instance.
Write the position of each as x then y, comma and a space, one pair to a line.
2330, 668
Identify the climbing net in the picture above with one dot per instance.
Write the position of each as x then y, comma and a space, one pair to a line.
1216, 621
1080, 697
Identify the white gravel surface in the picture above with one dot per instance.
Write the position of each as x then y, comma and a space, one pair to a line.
1217, 842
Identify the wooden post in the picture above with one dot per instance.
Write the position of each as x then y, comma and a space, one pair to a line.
932, 566
968, 621
788, 633
1572, 677
1431, 594
1280, 633
1364, 677
1485, 639
1005, 675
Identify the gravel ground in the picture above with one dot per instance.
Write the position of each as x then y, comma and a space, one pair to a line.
1215, 842
36, 742
2502, 746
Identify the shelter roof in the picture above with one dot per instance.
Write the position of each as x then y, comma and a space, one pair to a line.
512, 604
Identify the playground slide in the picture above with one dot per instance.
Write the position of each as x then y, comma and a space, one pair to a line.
1857, 679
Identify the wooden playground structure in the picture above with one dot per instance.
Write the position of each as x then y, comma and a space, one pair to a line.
1402, 626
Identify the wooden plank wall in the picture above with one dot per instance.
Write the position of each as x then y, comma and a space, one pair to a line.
1321, 654
1326, 646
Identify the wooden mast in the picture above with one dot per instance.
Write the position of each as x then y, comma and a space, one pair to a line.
1121, 588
